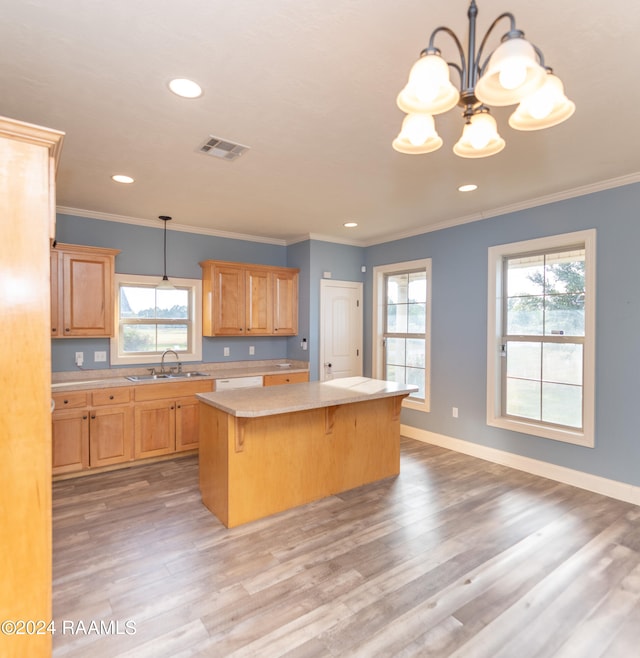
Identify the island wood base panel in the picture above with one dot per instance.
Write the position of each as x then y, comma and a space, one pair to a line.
254, 467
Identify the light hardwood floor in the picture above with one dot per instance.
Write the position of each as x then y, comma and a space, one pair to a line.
455, 557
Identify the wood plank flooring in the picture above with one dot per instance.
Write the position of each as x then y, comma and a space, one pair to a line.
455, 557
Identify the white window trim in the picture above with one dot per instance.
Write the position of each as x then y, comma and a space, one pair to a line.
586, 436
379, 304
196, 327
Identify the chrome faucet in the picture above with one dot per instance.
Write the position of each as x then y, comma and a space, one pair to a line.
164, 354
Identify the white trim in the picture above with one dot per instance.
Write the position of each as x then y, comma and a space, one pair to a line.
600, 186
377, 321
196, 326
613, 488
586, 437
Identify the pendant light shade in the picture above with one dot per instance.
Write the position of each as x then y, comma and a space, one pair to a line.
512, 74
418, 135
547, 107
429, 90
480, 137
165, 284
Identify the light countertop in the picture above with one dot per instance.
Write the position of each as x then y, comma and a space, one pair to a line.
80, 380
273, 400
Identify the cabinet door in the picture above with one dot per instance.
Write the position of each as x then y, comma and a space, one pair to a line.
285, 303
228, 301
259, 302
187, 417
87, 295
154, 428
111, 435
70, 441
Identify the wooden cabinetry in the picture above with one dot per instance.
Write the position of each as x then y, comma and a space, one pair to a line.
28, 159
166, 417
82, 291
248, 300
285, 378
91, 429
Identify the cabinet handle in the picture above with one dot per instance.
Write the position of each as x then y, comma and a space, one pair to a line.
53, 330
93, 417
85, 417
178, 406
66, 401
67, 329
172, 408
111, 397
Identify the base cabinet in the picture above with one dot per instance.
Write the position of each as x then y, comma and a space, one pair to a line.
70, 441
91, 429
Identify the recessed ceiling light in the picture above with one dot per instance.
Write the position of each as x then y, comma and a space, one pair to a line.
467, 188
185, 88
350, 224
121, 178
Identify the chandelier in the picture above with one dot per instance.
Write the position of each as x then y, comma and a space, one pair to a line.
514, 72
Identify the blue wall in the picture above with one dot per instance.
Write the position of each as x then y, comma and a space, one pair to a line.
142, 253
459, 321
459, 314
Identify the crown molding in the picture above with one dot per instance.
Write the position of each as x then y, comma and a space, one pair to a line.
583, 190
152, 223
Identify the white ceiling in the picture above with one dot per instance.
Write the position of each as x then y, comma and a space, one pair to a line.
310, 87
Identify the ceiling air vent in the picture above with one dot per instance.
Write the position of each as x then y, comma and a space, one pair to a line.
222, 148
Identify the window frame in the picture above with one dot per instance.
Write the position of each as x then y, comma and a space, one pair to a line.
195, 336
380, 273
496, 310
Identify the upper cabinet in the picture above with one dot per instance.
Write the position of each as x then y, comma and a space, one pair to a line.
82, 291
248, 300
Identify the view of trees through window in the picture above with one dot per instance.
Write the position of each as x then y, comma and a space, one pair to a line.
544, 328
154, 319
405, 329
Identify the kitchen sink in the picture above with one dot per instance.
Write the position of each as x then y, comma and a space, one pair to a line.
172, 375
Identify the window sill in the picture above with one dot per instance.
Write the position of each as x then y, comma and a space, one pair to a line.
579, 438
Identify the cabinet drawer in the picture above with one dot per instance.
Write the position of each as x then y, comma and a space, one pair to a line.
286, 378
70, 400
110, 396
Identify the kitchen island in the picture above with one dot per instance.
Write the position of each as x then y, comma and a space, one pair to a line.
266, 450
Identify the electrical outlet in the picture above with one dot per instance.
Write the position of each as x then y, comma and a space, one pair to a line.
252, 350
454, 412
227, 351
79, 358
99, 356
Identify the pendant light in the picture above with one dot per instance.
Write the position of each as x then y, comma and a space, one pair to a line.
165, 284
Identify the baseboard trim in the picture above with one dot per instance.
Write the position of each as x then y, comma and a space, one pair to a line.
612, 488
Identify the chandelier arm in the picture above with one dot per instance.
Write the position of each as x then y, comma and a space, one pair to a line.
477, 66
431, 48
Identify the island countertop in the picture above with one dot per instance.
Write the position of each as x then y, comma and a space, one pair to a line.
270, 401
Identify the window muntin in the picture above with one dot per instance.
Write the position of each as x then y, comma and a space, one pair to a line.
150, 320
153, 320
543, 328
403, 322
541, 337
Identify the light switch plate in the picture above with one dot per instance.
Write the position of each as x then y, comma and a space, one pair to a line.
99, 356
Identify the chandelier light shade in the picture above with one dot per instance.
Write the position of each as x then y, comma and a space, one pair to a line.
514, 72
546, 107
479, 138
418, 135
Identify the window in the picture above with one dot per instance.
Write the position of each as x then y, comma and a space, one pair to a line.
150, 320
541, 337
402, 327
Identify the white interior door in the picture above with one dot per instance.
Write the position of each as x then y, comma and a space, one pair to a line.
340, 329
